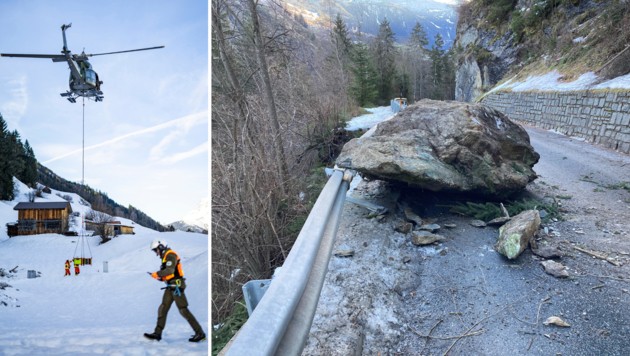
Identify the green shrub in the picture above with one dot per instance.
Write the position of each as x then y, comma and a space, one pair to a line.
499, 10
517, 25
488, 211
231, 325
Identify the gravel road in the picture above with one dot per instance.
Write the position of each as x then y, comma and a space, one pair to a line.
460, 297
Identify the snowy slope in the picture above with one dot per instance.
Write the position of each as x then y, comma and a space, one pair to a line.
95, 312
552, 81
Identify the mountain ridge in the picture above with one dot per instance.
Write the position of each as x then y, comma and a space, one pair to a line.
366, 16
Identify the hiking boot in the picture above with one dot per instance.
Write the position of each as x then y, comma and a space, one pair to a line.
153, 336
198, 337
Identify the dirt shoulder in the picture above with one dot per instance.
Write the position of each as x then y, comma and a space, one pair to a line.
461, 297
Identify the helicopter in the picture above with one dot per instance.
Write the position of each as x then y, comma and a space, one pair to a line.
84, 81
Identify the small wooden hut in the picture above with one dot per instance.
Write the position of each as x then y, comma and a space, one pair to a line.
43, 217
109, 228
120, 229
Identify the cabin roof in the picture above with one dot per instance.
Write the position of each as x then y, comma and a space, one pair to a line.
43, 205
111, 223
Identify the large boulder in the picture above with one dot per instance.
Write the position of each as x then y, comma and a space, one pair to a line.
446, 146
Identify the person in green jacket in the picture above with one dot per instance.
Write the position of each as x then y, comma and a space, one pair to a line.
172, 274
77, 262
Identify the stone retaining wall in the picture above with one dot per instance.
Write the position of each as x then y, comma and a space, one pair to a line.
601, 117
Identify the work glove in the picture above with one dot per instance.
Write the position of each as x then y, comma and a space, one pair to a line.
155, 275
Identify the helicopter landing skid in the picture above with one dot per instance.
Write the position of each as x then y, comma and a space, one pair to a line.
72, 97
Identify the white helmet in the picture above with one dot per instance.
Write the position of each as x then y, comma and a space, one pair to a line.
158, 244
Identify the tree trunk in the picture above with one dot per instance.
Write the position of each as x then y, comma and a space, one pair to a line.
268, 94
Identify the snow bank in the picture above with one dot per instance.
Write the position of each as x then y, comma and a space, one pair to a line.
367, 121
552, 82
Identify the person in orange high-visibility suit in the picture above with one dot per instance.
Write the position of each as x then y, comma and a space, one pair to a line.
77, 262
67, 266
172, 274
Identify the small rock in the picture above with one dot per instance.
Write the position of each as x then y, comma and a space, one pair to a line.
344, 253
555, 269
548, 252
514, 236
403, 227
430, 227
406, 259
421, 238
450, 226
477, 223
554, 320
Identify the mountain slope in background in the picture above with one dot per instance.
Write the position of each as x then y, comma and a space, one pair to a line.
195, 220
366, 16
99, 200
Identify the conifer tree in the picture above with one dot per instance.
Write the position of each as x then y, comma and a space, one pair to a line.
341, 58
363, 87
418, 39
15, 163
341, 37
384, 55
437, 58
6, 179
417, 42
29, 173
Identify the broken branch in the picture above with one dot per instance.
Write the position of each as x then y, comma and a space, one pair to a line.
504, 210
474, 333
601, 256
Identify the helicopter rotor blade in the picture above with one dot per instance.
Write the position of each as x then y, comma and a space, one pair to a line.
54, 57
131, 50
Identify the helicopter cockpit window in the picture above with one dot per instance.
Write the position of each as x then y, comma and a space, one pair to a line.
90, 76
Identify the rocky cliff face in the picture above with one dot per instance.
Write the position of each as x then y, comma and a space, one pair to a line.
505, 37
484, 60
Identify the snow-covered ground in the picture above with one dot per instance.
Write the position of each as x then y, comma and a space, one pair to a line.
96, 312
552, 82
367, 121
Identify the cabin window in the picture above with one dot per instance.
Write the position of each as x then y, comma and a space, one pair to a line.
26, 225
52, 224
90, 76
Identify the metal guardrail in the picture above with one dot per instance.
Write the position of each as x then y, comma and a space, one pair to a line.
282, 319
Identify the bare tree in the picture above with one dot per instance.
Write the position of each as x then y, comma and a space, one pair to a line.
271, 99
101, 224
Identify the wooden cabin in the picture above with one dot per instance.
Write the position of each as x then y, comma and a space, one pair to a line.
111, 228
120, 229
42, 217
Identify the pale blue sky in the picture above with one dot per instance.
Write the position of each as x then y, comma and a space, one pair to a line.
147, 142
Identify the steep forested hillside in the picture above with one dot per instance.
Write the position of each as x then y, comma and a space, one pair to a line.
16, 160
510, 37
99, 200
